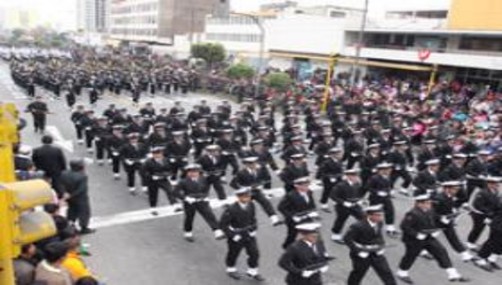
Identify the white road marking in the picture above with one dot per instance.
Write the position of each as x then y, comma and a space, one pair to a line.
168, 211
58, 138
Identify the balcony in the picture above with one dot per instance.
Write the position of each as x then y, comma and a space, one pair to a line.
445, 57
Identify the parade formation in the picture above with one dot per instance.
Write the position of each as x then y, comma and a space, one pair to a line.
375, 141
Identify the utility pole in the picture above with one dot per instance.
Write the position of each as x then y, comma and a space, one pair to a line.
259, 23
355, 63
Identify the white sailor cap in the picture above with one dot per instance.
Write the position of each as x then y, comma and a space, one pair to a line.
250, 159
242, 191
434, 161
302, 180
334, 150
493, 179
422, 198
297, 156
213, 147
193, 166
384, 165
453, 183
374, 209
308, 227
352, 171
374, 145
484, 152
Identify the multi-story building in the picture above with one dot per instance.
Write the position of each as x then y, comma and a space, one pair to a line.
464, 41
158, 21
92, 15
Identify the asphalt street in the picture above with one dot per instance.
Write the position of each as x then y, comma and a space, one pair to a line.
132, 247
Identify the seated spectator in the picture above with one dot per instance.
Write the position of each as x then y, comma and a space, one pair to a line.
73, 261
50, 270
87, 281
24, 265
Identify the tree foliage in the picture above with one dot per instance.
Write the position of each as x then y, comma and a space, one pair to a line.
210, 52
280, 81
240, 70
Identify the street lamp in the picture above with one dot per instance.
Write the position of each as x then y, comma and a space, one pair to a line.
258, 21
359, 45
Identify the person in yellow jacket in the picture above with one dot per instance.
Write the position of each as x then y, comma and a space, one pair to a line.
73, 261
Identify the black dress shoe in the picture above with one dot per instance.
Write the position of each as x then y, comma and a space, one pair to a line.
427, 256
190, 239
495, 266
256, 277
234, 275
278, 223
155, 213
87, 231
485, 267
405, 279
460, 279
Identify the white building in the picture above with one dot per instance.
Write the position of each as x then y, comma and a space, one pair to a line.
93, 15
159, 21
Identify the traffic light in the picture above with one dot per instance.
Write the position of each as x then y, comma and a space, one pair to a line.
8, 137
20, 224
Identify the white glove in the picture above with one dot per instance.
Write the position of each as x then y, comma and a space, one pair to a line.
354, 154
324, 269
435, 234
237, 238
421, 236
363, 254
115, 153
252, 234
155, 177
129, 162
487, 221
172, 160
380, 252
348, 204
97, 139
332, 180
307, 273
445, 220
189, 200
382, 193
277, 172
297, 219
313, 215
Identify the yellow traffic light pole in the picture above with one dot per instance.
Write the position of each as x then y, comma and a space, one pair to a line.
18, 224
6, 267
329, 75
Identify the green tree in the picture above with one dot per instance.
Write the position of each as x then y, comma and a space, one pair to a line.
211, 53
280, 81
240, 70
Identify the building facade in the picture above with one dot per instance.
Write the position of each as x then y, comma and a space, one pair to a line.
93, 15
158, 21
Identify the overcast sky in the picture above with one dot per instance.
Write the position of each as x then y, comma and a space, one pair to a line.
62, 13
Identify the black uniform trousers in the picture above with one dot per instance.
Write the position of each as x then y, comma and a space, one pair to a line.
405, 175
451, 235
80, 132
177, 166
81, 211
131, 174
433, 246
39, 122
326, 191
204, 210
215, 181
291, 234
89, 137
478, 225
259, 197
351, 160
361, 265
153, 191
234, 249
492, 245
100, 148
115, 162
342, 214
388, 207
